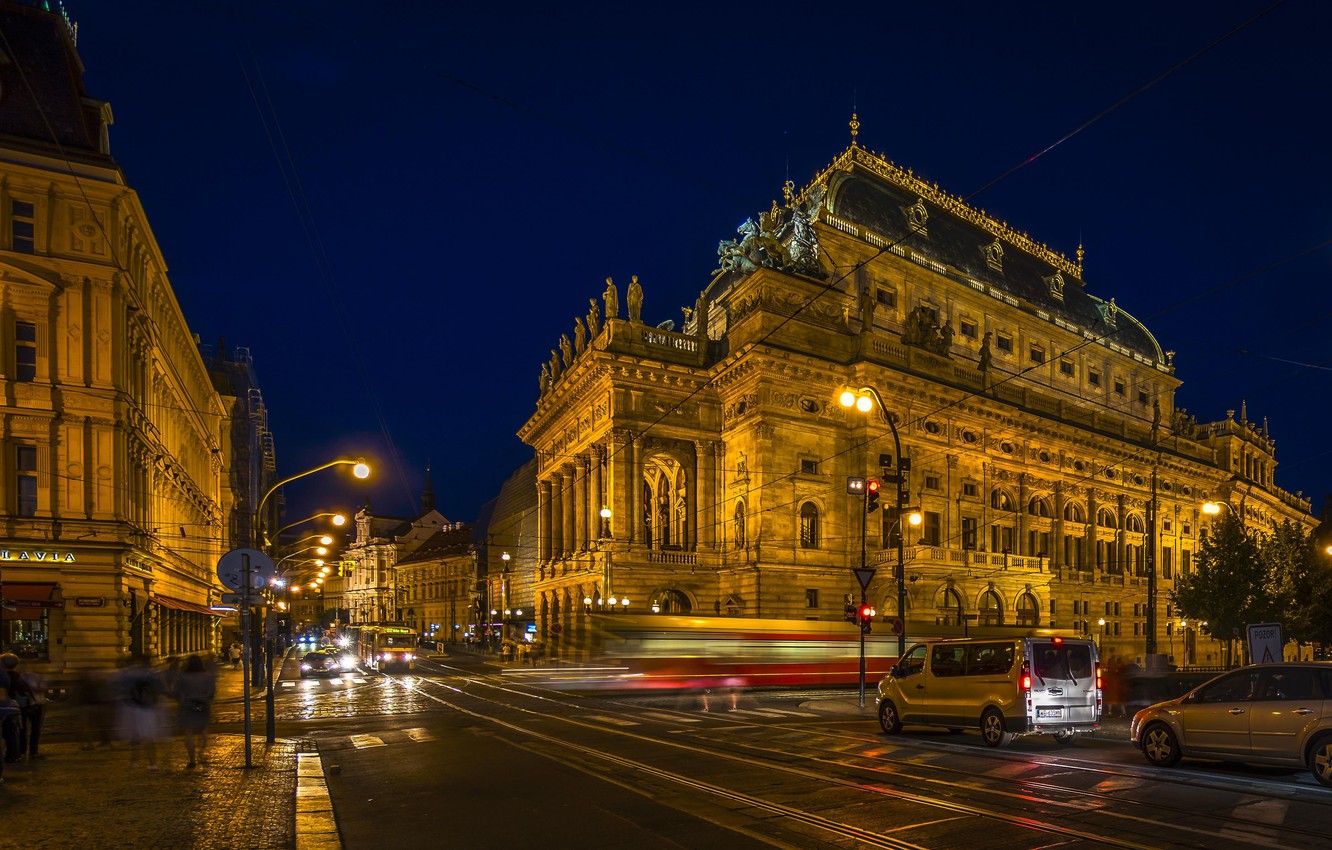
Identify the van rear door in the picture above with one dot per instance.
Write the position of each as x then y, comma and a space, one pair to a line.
1063, 681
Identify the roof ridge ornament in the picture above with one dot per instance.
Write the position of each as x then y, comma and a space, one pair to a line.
855, 128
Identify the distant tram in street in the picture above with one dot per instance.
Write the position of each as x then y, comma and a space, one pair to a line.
385, 646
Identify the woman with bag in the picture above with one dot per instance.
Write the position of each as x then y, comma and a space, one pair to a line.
195, 689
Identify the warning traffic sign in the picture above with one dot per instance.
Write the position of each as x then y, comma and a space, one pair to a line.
1265, 643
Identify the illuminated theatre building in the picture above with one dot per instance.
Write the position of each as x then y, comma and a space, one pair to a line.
1037, 421
113, 460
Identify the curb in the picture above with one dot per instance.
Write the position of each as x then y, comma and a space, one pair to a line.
316, 826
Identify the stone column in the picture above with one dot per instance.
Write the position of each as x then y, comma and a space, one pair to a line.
596, 497
1121, 517
545, 533
1089, 535
619, 495
705, 453
1057, 545
634, 496
1020, 545
570, 511
556, 516
580, 503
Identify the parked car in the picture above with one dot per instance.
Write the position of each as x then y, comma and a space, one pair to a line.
1036, 684
319, 664
1277, 714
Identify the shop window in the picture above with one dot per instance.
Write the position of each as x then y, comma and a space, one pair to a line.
29, 639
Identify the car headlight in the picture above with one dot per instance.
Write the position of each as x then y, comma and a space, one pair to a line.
305, 666
408, 656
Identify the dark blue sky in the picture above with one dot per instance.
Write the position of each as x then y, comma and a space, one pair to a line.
399, 207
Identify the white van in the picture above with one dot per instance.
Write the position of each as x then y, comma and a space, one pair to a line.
1006, 686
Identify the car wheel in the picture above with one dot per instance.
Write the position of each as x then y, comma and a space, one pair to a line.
1160, 746
1067, 736
888, 719
992, 728
1320, 760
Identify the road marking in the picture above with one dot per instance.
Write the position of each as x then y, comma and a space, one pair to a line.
358, 680
754, 711
614, 721
671, 717
363, 741
420, 734
288, 684
791, 713
1262, 811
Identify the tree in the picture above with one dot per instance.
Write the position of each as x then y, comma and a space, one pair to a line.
1293, 574
1229, 586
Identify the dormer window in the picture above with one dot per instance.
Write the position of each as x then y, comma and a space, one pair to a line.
917, 217
994, 255
1056, 284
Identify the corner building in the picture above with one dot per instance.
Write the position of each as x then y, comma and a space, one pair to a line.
112, 459
1037, 423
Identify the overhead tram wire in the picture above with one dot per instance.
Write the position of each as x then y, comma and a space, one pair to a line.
305, 214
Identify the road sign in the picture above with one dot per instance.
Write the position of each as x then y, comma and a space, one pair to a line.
1265, 643
864, 575
855, 485
895, 625
231, 568
891, 479
236, 600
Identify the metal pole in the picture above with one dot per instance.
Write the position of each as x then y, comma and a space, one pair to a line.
1151, 571
245, 652
901, 538
864, 513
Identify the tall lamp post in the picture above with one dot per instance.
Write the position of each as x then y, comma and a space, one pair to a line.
864, 399
361, 470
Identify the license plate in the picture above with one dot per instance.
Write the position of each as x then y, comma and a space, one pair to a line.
1044, 713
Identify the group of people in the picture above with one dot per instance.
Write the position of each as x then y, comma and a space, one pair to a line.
137, 700
22, 706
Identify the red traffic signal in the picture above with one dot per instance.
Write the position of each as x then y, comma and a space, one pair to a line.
873, 485
866, 613
871, 495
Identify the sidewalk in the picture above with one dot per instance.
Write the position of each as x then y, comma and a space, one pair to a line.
90, 798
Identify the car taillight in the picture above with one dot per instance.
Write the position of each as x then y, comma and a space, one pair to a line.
1026, 676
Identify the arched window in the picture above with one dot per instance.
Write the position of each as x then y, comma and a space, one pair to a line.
991, 612
1039, 506
672, 602
1073, 512
1000, 500
1105, 518
809, 526
950, 608
1028, 612
739, 525
1133, 522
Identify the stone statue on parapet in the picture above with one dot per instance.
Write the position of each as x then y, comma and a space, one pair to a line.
869, 302
635, 301
545, 380
612, 298
554, 366
566, 348
580, 335
985, 356
701, 316
593, 318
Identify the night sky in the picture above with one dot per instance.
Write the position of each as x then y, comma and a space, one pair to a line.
399, 207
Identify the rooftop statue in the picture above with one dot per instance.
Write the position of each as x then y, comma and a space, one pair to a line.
580, 335
566, 348
554, 366
701, 316
635, 301
612, 298
985, 356
593, 318
545, 380
782, 239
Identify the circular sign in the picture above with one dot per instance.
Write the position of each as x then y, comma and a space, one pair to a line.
232, 566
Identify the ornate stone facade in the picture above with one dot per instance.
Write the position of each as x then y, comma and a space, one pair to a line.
1037, 423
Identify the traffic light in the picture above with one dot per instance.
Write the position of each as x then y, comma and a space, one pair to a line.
849, 610
871, 495
866, 618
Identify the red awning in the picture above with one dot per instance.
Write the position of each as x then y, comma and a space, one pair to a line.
25, 600
182, 605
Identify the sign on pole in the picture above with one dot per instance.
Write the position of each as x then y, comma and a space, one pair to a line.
233, 566
1265, 643
864, 575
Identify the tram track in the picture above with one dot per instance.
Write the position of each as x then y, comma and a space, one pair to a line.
864, 774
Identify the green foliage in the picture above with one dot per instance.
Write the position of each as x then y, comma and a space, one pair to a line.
1243, 576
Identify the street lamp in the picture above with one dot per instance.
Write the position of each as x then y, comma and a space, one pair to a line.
361, 470
338, 520
864, 399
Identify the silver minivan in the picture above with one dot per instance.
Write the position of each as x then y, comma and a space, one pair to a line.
1005, 686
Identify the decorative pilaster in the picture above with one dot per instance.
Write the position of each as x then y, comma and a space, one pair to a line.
569, 513
544, 531
580, 506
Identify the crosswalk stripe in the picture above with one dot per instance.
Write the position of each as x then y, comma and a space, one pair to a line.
358, 680
753, 711
363, 741
614, 721
420, 734
788, 712
288, 684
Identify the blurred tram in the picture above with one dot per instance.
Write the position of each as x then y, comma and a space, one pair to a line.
385, 646
662, 652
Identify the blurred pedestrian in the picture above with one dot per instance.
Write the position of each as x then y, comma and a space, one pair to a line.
234, 655
9, 713
141, 690
92, 702
1116, 688
29, 692
196, 685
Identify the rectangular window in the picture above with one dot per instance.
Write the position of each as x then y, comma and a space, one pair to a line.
25, 351
1119, 387
25, 483
931, 528
931, 482
1037, 354
1135, 628
1165, 525
968, 328
1094, 378
21, 219
1116, 609
968, 532
1066, 367
1003, 342
1188, 530
809, 467
887, 297
1185, 561
933, 313
1142, 396
969, 490
1167, 562
1075, 608
811, 597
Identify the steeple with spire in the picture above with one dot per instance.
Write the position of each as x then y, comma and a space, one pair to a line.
428, 494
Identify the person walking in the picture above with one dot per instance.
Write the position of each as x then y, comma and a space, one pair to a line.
141, 688
234, 655
9, 713
28, 691
196, 685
